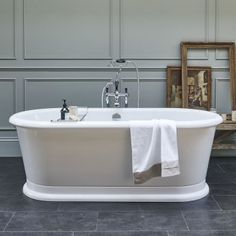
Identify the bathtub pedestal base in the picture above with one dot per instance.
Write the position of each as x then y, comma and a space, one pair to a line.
116, 194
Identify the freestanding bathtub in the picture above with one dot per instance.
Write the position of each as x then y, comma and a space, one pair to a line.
91, 160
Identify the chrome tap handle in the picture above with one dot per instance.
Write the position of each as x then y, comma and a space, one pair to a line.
107, 101
116, 85
107, 97
126, 101
126, 97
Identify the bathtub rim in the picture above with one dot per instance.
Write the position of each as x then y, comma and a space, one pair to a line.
20, 122
122, 194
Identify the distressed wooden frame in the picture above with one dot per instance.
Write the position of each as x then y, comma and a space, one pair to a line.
230, 46
175, 69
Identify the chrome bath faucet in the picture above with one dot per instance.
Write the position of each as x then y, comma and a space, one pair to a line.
112, 89
117, 95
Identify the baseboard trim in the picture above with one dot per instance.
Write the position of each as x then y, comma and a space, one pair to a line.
9, 147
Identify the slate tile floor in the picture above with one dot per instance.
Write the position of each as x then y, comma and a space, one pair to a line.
214, 215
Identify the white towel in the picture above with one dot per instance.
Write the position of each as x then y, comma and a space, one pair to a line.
169, 149
154, 149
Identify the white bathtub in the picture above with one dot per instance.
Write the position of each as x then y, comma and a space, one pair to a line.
91, 160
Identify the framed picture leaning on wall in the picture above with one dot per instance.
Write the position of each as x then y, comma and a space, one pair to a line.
198, 88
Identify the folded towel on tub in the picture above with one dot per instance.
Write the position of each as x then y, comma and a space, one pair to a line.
154, 149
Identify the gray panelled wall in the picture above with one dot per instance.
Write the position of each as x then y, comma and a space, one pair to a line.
54, 49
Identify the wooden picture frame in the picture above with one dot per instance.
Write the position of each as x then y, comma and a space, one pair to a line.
198, 87
230, 46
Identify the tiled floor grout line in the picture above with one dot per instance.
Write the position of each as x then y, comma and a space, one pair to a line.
216, 202
58, 207
13, 214
168, 233
96, 228
221, 168
139, 207
185, 221
39, 231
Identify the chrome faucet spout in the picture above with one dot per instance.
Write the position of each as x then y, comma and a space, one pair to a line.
119, 98
117, 95
116, 103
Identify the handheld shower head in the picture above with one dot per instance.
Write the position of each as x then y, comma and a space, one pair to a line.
120, 61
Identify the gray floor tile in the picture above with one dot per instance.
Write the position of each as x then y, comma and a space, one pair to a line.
11, 165
80, 234
11, 188
223, 178
222, 189
211, 220
226, 202
119, 219
53, 221
17, 169
12, 177
36, 233
203, 233
222, 160
130, 233
123, 221
11, 162
229, 167
207, 203
22, 203
12, 173
214, 168
4, 219
156, 206
98, 206
222, 171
